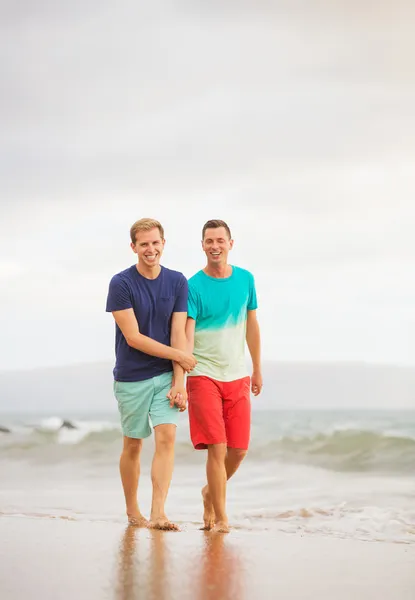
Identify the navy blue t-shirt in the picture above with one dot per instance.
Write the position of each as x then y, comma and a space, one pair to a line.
153, 301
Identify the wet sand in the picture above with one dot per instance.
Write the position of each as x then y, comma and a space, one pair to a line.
62, 559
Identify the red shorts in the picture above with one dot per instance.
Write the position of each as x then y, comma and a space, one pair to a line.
219, 412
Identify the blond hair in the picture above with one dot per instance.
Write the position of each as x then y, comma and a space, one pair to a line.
145, 225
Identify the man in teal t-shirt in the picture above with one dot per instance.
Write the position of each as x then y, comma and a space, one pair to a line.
221, 318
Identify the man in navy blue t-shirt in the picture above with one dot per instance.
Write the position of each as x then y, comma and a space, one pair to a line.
149, 305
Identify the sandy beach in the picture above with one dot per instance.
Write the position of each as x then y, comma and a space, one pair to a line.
322, 508
43, 557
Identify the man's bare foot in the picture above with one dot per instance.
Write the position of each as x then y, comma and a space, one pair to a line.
163, 524
137, 520
208, 513
221, 527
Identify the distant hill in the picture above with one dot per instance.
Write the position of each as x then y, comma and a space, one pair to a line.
88, 387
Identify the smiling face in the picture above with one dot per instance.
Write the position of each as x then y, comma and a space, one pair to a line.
148, 246
216, 245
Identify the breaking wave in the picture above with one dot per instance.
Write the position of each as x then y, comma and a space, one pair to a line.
339, 450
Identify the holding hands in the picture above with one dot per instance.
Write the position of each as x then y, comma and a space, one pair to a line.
178, 397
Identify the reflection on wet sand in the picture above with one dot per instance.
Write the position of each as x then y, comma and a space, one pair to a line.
157, 565
127, 569
158, 569
222, 573
142, 576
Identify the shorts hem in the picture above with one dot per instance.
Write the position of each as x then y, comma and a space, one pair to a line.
238, 446
136, 436
235, 446
164, 423
204, 445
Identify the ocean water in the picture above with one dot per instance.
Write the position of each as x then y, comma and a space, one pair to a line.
346, 474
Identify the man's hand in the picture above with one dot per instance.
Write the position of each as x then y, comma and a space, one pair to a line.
178, 397
186, 360
256, 383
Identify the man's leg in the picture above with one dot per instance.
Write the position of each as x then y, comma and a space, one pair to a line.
207, 430
237, 418
133, 399
234, 457
164, 419
130, 474
161, 474
216, 477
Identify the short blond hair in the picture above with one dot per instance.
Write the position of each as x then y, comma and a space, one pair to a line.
145, 225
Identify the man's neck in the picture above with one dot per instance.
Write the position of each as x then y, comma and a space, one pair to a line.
219, 271
148, 272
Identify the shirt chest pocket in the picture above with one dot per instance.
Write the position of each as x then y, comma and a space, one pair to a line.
164, 309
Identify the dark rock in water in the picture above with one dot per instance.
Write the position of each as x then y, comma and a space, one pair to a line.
67, 425
4, 430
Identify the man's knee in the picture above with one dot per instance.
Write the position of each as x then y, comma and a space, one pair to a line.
132, 447
217, 452
237, 454
165, 437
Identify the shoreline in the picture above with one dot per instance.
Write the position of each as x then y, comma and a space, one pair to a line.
61, 558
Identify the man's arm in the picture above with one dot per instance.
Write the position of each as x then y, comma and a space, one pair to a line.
253, 339
178, 340
127, 322
190, 334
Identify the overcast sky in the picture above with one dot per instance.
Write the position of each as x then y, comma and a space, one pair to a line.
293, 120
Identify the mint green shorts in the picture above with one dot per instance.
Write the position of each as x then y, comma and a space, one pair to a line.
140, 401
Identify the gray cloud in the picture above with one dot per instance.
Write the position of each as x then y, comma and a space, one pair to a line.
119, 97
294, 121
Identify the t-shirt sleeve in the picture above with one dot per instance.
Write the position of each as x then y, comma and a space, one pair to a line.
180, 304
192, 305
252, 300
119, 295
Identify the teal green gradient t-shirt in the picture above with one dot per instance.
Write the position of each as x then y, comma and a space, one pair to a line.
219, 308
